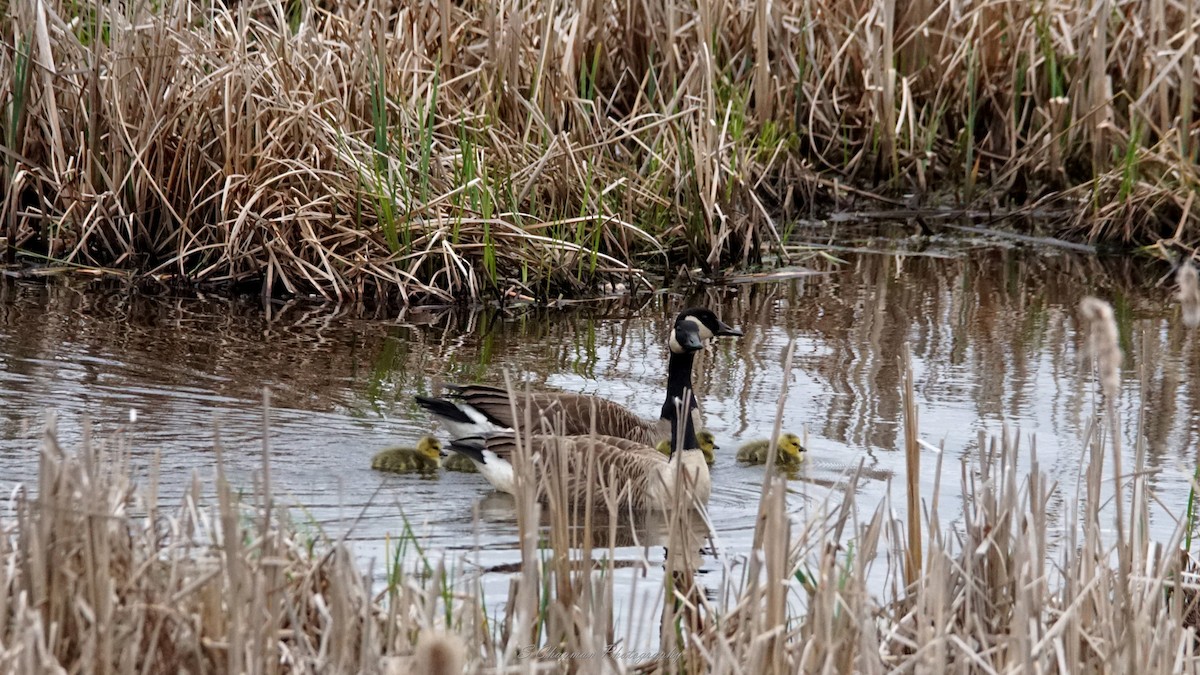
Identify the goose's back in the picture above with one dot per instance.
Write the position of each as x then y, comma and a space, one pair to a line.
564, 413
637, 474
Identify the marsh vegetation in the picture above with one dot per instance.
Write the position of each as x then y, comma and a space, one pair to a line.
448, 150
100, 575
216, 535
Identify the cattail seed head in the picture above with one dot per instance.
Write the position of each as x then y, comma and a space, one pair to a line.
440, 653
1103, 343
1189, 294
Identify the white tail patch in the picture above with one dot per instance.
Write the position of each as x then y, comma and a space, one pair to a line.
478, 426
497, 471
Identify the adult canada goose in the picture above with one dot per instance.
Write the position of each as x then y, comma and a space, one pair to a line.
788, 452
424, 458
479, 409
708, 443
646, 478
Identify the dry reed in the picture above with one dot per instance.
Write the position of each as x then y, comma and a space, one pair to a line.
448, 150
98, 576
1103, 343
1189, 293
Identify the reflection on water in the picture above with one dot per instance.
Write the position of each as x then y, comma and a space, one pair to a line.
993, 334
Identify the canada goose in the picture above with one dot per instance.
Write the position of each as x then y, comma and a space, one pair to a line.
457, 462
479, 409
708, 443
789, 452
647, 476
422, 459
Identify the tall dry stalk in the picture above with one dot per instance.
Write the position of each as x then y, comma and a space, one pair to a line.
912, 474
508, 150
1189, 293
998, 592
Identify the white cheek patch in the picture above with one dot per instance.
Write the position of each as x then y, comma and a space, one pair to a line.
676, 348
705, 333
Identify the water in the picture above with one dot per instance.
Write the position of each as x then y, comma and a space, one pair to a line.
993, 334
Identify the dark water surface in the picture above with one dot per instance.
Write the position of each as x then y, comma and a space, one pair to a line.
993, 334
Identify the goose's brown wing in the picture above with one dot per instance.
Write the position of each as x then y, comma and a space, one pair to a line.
574, 412
632, 469
505, 445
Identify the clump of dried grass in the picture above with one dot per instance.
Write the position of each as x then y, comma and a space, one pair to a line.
99, 575
102, 579
503, 150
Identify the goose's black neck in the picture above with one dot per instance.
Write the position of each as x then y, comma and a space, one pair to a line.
679, 380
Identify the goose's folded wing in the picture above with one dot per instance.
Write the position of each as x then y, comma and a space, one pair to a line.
504, 446
584, 415
492, 402
631, 469
574, 412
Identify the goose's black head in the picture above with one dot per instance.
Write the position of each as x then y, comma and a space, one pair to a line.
707, 323
686, 337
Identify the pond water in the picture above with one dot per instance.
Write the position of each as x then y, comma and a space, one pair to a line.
993, 333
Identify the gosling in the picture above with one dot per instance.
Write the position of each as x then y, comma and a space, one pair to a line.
788, 452
425, 458
708, 443
461, 463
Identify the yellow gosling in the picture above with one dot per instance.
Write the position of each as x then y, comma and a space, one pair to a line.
425, 458
460, 463
708, 443
789, 452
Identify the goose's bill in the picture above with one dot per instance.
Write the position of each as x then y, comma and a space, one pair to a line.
725, 329
686, 339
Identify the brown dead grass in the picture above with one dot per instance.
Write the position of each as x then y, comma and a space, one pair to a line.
449, 150
97, 575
